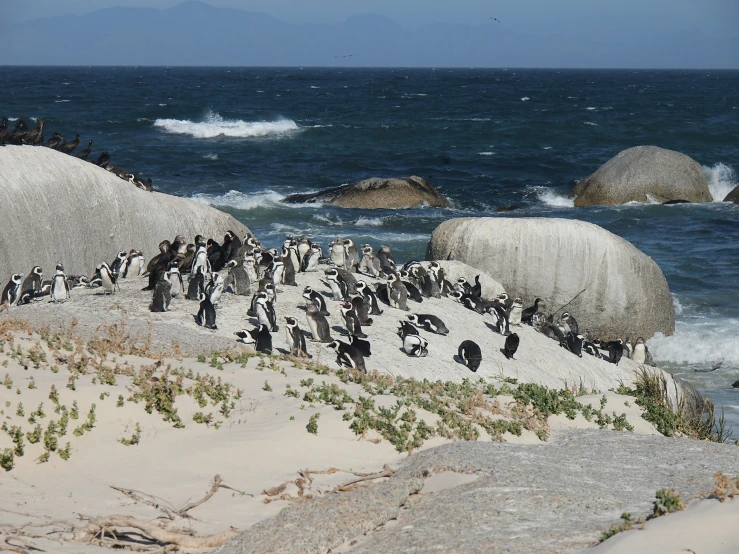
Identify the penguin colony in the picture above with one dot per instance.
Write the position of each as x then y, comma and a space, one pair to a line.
20, 135
244, 267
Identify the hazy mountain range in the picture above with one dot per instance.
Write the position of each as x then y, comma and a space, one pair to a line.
196, 34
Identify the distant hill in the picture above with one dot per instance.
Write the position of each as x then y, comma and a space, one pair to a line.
195, 34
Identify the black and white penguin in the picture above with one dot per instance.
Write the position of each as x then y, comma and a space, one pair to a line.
12, 291
470, 354
351, 321
134, 264
429, 285
381, 291
370, 297
615, 351
318, 325
295, 338
252, 268
252, 311
516, 312
216, 255
206, 316
413, 292
397, 293
237, 281
338, 287
31, 286
429, 322
406, 328
118, 263
463, 286
260, 337
415, 346
303, 247
348, 356
309, 262
528, 313
569, 323
387, 262
108, 280
266, 314
362, 345
276, 270
352, 256
361, 307
316, 298
269, 288
289, 258
231, 246
82, 154
469, 301
641, 354
500, 320
174, 278
476, 289
590, 348
214, 289
162, 296
337, 253
574, 343
201, 260
369, 264
59, 285
196, 286
511, 345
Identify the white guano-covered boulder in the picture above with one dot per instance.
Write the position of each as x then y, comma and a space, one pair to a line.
613, 289
646, 174
57, 208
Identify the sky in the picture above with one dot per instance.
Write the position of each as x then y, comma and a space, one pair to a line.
697, 21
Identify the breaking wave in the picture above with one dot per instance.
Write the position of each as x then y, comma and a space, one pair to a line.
721, 180
213, 125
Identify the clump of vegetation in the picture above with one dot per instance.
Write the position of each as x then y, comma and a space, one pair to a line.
7, 459
725, 487
667, 501
626, 524
312, 426
135, 437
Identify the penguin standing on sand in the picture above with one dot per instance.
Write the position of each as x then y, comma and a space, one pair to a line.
470, 354
303, 247
206, 316
351, 321
251, 267
59, 286
569, 323
361, 308
108, 280
348, 356
214, 290
295, 338
500, 320
387, 262
237, 280
161, 297
574, 343
515, 313
266, 314
316, 298
318, 325
12, 291
118, 264
369, 296
641, 354
511, 345
173, 275
201, 262
196, 285
397, 293
289, 256
31, 287
369, 264
276, 270
337, 252
352, 256
338, 286
309, 262
133, 265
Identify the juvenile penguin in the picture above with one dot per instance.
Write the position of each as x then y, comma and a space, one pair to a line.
514, 316
351, 321
206, 316
260, 337
429, 322
415, 346
348, 356
303, 247
108, 280
369, 264
352, 256
250, 265
295, 338
32, 285
511, 345
173, 275
337, 253
318, 325
59, 285
266, 314
569, 323
162, 297
429, 286
237, 280
369, 295
396, 292
316, 298
12, 291
470, 354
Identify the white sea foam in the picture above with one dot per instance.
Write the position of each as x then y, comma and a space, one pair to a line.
525, 99
485, 153
140, 119
546, 148
370, 222
591, 109
551, 198
210, 156
61, 101
699, 341
721, 180
241, 201
590, 123
214, 125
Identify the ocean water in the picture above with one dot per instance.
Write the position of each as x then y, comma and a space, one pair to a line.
244, 138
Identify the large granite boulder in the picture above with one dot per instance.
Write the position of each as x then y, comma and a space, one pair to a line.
377, 193
733, 196
646, 174
612, 289
57, 208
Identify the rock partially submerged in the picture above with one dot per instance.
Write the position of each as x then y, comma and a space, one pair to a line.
377, 193
612, 289
57, 208
646, 174
733, 196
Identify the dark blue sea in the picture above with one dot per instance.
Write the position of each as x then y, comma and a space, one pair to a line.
243, 138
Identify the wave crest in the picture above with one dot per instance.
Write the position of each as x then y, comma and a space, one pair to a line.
721, 180
213, 125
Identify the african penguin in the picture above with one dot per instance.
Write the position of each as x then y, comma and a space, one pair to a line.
570, 323
290, 267
511, 345
641, 354
615, 350
31, 286
528, 313
470, 354
415, 346
429, 322
337, 253
295, 338
173, 275
500, 321
59, 286
109, 281
352, 256
206, 316
318, 325
361, 308
266, 314
575, 343
514, 316
348, 356
369, 264
214, 290
237, 280
351, 321
387, 262
369, 295
161, 297
362, 345
260, 337
315, 297
12, 291
310, 260
196, 285
397, 293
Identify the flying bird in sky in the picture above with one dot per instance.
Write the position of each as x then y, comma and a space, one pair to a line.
496, 19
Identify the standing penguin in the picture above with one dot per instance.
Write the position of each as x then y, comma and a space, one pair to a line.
500, 320
133, 265
361, 307
369, 264
108, 280
351, 321
337, 253
289, 256
309, 262
477, 287
396, 292
369, 295
303, 247
315, 297
318, 325
276, 270
514, 316
118, 264
196, 285
231, 246
31, 285
173, 275
237, 280
387, 262
511, 345
615, 350
161, 297
641, 354
338, 286
295, 338
352, 256
570, 323
12, 291
470, 354
214, 290
251, 266
206, 316
266, 314
59, 285
201, 262
348, 356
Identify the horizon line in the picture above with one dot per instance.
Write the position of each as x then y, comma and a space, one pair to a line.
310, 66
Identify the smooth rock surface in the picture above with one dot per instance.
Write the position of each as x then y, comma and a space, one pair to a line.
57, 208
644, 174
556, 497
608, 285
377, 193
733, 196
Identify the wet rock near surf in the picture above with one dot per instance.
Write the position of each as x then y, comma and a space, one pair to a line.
610, 287
377, 193
733, 196
646, 174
